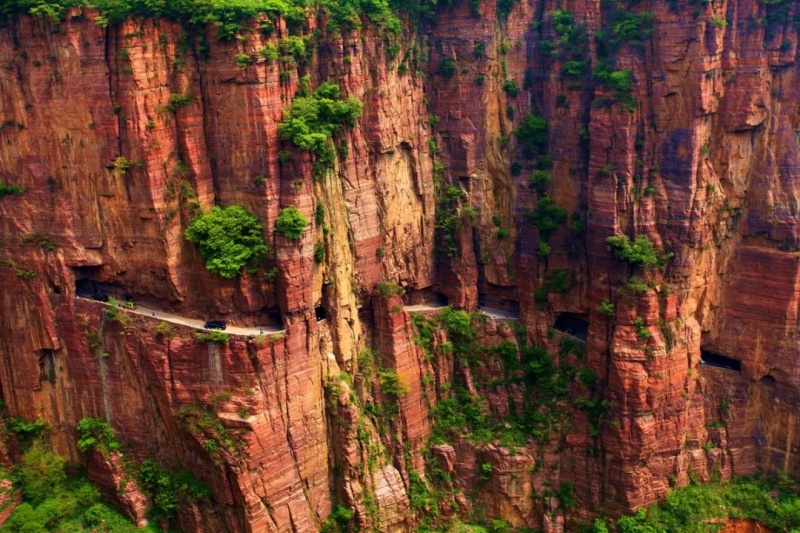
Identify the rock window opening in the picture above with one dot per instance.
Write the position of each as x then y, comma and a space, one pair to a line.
719, 361
573, 325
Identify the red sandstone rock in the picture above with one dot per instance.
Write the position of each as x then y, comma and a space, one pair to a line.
704, 165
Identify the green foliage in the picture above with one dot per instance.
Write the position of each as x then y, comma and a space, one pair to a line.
346, 15
167, 489
177, 101
41, 239
319, 253
486, 470
560, 280
641, 330
291, 223
624, 27
540, 181
447, 67
606, 307
41, 473
8, 190
547, 216
504, 8
387, 289
163, 328
319, 215
95, 434
616, 82
338, 520
641, 252
572, 45
269, 52
532, 135
229, 239
544, 250
53, 502
24, 429
511, 88
243, 60
205, 425
313, 119
220, 337
392, 384
566, 495
458, 325
695, 509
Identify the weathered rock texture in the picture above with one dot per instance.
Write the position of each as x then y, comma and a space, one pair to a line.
704, 160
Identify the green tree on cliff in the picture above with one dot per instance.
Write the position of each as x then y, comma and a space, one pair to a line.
228, 239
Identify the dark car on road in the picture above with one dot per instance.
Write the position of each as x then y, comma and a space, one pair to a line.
215, 324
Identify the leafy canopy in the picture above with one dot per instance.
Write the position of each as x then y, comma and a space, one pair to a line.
54, 502
291, 223
313, 119
228, 239
640, 252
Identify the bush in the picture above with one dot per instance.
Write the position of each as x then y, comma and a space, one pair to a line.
540, 181
53, 502
641, 252
319, 253
532, 135
312, 120
387, 289
511, 88
447, 67
41, 473
291, 223
228, 239
213, 336
95, 434
547, 216
606, 307
692, 509
8, 190
392, 384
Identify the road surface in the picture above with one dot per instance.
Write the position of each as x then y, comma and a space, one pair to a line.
421, 308
497, 313
190, 322
488, 311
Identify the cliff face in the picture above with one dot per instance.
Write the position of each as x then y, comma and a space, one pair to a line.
119, 135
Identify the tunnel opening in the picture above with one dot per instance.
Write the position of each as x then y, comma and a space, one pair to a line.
574, 325
719, 361
320, 313
274, 318
427, 296
88, 286
768, 380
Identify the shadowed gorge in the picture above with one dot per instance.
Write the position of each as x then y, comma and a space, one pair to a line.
524, 264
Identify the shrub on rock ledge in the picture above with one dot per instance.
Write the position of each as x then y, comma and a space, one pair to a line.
229, 239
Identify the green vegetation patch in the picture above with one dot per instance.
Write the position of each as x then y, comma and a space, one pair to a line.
95, 434
699, 508
291, 223
639, 252
52, 501
11, 190
313, 119
229, 239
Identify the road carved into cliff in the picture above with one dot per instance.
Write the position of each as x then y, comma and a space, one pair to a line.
488, 311
191, 322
